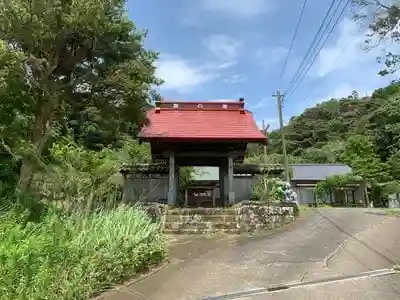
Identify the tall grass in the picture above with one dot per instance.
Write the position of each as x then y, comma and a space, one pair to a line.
75, 256
69, 239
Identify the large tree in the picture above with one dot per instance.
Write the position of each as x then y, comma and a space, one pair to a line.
384, 17
75, 56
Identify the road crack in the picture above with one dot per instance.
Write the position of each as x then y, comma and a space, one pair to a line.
331, 255
298, 284
304, 275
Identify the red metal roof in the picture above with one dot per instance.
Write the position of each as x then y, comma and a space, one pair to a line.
201, 121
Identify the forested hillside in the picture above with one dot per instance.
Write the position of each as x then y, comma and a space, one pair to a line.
363, 132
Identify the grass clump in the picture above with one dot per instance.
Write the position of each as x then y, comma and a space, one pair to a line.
394, 212
74, 256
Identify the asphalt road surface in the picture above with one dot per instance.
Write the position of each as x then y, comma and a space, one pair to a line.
336, 253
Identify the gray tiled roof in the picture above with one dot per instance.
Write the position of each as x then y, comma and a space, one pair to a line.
318, 171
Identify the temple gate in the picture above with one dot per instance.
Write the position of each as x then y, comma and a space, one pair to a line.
211, 133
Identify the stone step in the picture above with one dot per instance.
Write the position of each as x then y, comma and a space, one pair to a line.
200, 231
200, 218
200, 225
201, 211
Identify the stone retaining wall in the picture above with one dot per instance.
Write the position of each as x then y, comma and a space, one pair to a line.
247, 216
253, 216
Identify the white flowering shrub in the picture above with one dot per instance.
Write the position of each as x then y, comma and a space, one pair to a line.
274, 189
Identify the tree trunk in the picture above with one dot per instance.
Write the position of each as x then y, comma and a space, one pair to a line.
41, 132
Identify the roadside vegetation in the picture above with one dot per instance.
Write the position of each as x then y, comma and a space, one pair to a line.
75, 81
394, 212
70, 236
74, 256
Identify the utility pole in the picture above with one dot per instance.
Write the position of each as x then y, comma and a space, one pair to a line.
265, 155
265, 146
279, 98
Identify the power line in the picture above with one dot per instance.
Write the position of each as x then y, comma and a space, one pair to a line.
350, 41
336, 59
320, 48
293, 39
317, 44
312, 43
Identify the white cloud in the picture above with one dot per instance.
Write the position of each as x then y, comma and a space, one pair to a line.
222, 46
346, 52
349, 53
270, 55
262, 103
345, 66
180, 75
184, 75
235, 78
226, 50
227, 64
238, 8
343, 89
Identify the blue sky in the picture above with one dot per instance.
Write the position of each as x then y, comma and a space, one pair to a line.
226, 49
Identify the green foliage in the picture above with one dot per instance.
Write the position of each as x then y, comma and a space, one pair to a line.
74, 257
71, 67
383, 18
96, 244
274, 158
360, 154
78, 178
395, 212
333, 183
75, 81
270, 189
186, 175
15, 112
361, 132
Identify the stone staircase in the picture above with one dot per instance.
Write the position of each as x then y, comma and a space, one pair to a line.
242, 217
200, 221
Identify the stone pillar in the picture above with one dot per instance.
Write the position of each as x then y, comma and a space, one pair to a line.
186, 197
226, 192
231, 193
213, 196
222, 182
172, 181
177, 184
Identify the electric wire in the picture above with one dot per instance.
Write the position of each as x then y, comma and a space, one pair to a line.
293, 39
313, 42
320, 48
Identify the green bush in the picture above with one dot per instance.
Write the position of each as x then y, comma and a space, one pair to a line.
272, 189
75, 256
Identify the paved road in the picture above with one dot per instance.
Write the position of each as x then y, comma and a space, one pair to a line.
331, 245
